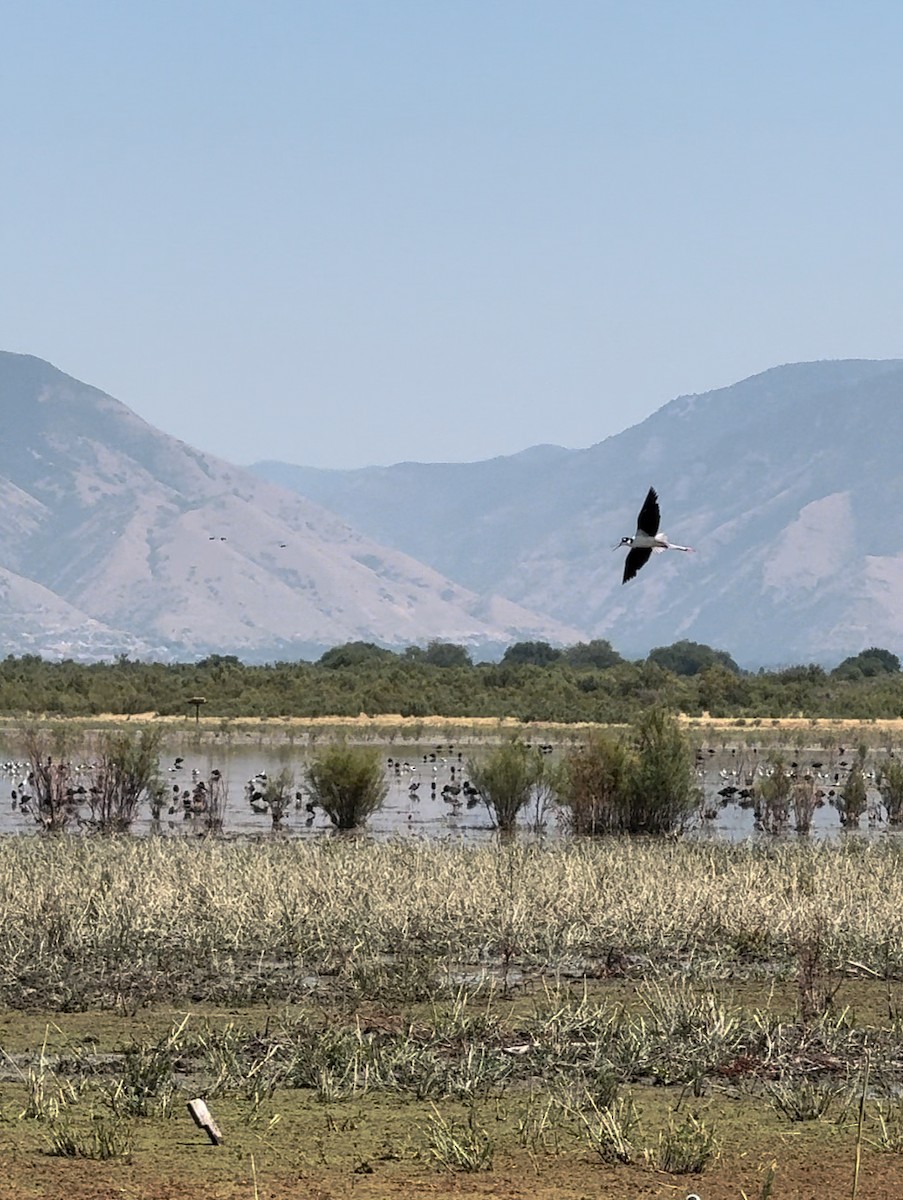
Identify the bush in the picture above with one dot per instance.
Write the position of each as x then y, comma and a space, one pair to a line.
348, 783
803, 801
51, 782
890, 785
690, 658
277, 793
775, 790
127, 768
664, 792
853, 799
507, 779
440, 654
540, 654
643, 786
595, 785
867, 664
597, 654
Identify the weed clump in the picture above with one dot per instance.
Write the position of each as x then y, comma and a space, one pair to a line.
686, 1148
126, 770
645, 785
348, 784
508, 778
459, 1145
890, 785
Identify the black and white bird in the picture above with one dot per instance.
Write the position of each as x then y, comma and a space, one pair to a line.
647, 537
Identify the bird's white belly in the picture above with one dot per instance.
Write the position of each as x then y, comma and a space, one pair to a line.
645, 541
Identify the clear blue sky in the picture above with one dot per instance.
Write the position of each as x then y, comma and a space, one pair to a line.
346, 232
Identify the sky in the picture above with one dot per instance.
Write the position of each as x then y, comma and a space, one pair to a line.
342, 233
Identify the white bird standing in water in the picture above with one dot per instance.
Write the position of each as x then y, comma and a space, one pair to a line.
647, 537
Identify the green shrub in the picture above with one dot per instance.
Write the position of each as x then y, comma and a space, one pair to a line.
663, 794
644, 785
890, 785
854, 795
348, 783
51, 778
595, 785
277, 793
507, 778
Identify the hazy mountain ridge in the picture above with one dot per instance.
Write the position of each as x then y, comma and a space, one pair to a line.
780, 481
118, 538
150, 546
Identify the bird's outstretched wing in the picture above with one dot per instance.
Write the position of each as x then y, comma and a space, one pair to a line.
634, 560
649, 518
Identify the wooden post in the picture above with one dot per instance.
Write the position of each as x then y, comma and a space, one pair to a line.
197, 701
203, 1118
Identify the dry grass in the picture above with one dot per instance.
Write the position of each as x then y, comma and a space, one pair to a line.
86, 921
408, 1058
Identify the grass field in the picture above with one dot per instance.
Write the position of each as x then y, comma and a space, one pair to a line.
620, 1018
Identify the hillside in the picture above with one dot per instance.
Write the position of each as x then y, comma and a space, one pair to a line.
784, 483
117, 538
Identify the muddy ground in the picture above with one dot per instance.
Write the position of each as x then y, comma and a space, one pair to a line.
292, 1144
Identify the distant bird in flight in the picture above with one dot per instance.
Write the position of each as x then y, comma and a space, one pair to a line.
647, 537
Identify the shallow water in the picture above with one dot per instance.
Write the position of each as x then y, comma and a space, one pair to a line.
417, 812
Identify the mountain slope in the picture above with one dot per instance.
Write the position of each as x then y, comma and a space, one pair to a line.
166, 547
787, 483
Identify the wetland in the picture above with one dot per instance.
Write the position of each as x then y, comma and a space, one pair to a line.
421, 1009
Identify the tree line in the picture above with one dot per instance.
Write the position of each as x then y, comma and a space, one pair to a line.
534, 681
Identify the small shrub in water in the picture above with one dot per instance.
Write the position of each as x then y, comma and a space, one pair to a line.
774, 792
127, 769
595, 784
854, 796
49, 796
663, 794
890, 785
803, 801
507, 779
348, 783
277, 793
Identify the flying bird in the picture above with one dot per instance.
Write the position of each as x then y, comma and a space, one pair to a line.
647, 537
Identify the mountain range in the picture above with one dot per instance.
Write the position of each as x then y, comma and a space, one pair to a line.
119, 539
785, 483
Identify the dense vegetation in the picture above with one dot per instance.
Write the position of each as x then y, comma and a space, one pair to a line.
533, 681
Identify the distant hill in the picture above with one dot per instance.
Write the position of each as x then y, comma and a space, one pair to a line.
789, 484
117, 538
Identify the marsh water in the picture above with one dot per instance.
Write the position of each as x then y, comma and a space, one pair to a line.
421, 800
